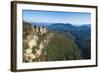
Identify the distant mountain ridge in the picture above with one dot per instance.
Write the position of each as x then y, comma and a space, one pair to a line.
41, 24
61, 26
64, 26
58, 24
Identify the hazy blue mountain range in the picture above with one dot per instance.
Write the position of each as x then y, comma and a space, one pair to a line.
68, 26
41, 24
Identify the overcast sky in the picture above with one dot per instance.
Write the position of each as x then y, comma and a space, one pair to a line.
74, 18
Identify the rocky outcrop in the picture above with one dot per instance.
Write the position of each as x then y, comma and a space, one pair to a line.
34, 46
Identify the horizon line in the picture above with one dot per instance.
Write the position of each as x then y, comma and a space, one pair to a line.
60, 22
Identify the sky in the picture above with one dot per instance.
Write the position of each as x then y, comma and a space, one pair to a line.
75, 18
